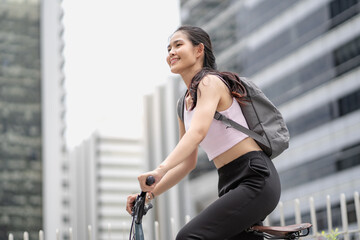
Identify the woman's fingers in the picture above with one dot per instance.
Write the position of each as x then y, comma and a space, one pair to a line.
130, 203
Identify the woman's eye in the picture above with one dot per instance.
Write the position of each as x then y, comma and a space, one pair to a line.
176, 45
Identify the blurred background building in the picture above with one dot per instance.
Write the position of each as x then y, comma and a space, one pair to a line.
161, 136
103, 171
32, 112
305, 55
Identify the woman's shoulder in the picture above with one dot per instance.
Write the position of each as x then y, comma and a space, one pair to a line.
214, 87
212, 79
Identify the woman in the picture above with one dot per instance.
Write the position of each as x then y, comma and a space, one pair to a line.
249, 186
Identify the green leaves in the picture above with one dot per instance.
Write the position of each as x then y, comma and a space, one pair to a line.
332, 235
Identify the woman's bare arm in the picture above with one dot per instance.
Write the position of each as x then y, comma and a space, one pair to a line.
207, 102
175, 175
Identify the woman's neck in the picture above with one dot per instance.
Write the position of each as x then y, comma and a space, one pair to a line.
188, 76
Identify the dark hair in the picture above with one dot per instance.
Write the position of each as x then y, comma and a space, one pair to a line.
197, 35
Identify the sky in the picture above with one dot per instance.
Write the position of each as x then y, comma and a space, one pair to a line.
115, 53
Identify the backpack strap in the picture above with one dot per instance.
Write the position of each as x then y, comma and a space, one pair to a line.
180, 106
227, 121
230, 123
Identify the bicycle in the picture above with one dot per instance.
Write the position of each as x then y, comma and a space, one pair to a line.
290, 232
138, 211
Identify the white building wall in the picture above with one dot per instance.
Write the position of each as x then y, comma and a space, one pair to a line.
103, 172
53, 110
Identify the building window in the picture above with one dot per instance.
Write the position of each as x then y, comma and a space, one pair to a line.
325, 113
346, 158
311, 120
347, 57
349, 103
343, 59
342, 10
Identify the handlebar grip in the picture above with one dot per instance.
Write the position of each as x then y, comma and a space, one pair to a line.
150, 180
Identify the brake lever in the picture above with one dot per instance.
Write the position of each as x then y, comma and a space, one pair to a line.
139, 209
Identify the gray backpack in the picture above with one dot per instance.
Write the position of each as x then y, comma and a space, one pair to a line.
266, 124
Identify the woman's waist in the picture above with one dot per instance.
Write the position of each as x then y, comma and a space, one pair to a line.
240, 149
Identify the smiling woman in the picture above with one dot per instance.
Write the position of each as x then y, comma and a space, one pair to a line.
249, 185
179, 58
103, 52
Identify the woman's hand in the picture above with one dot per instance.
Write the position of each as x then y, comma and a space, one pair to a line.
157, 174
130, 202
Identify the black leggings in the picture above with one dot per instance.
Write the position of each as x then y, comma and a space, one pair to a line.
249, 190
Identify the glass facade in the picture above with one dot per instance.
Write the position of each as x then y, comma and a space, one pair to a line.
323, 166
203, 11
20, 119
245, 22
247, 62
312, 60
324, 69
325, 113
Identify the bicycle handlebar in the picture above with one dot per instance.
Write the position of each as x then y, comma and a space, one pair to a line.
139, 207
138, 211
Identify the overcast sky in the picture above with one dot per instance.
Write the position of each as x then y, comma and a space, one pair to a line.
115, 53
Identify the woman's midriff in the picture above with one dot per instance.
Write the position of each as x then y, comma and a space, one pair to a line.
241, 148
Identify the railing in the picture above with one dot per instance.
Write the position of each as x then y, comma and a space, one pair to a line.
344, 232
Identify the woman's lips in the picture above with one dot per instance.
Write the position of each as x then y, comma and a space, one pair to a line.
173, 61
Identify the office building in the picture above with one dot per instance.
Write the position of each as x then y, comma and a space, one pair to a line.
102, 172
31, 117
305, 56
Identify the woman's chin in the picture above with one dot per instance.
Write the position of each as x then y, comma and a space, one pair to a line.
173, 69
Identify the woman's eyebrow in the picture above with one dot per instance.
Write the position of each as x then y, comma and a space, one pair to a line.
174, 42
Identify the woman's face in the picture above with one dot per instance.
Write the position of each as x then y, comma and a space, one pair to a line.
182, 54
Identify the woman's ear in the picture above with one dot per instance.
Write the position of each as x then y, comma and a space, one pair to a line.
200, 49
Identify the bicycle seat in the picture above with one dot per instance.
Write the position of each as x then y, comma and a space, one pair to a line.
283, 231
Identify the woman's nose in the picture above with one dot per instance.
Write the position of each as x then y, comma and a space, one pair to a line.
171, 52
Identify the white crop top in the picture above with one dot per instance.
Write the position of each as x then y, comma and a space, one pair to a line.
220, 138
